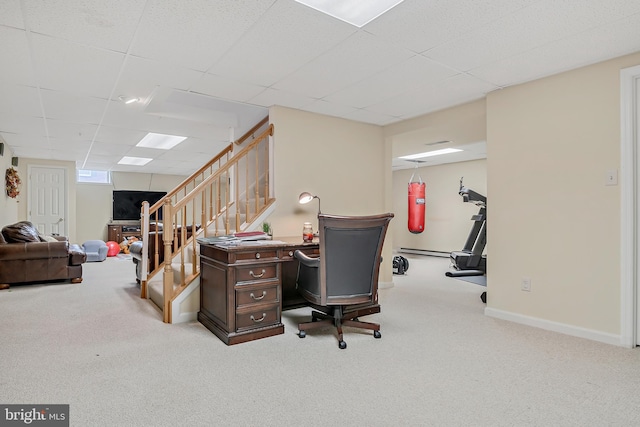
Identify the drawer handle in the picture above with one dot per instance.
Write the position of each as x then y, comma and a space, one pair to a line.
290, 253
257, 276
258, 255
255, 298
260, 319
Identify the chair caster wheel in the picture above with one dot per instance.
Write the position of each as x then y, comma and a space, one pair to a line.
377, 334
342, 345
302, 334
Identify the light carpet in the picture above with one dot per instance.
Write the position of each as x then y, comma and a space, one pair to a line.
440, 362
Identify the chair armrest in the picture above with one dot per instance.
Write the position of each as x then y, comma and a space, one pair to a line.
77, 255
135, 249
306, 259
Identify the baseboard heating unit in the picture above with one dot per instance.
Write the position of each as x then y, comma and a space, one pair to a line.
424, 252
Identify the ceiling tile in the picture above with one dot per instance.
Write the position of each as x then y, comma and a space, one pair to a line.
19, 99
281, 42
192, 146
323, 107
399, 78
11, 123
23, 140
226, 88
455, 90
197, 35
604, 42
70, 130
360, 56
88, 71
11, 14
32, 152
523, 30
269, 97
101, 149
106, 24
18, 70
71, 107
420, 25
365, 116
118, 136
140, 77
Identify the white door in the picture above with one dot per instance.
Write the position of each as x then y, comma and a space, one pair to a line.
47, 200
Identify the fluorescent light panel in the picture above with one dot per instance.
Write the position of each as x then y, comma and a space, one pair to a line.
430, 154
134, 161
354, 12
160, 141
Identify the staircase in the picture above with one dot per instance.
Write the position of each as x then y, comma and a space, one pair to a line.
230, 193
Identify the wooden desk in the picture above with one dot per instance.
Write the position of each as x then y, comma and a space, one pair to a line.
244, 288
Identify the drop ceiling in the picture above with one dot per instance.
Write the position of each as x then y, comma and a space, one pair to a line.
209, 70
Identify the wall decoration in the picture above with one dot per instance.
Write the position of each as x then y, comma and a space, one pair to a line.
12, 183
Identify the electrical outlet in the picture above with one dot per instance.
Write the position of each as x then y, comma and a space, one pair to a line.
526, 284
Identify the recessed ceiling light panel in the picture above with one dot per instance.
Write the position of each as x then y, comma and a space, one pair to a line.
430, 154
160, 141
134, 161
354, 12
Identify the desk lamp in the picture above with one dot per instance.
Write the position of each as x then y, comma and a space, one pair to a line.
307, 197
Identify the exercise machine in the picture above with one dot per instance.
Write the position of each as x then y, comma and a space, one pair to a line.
470, 261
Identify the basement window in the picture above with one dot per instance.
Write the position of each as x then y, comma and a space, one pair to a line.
93, 177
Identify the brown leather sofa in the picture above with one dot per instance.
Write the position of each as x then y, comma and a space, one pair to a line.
28, 257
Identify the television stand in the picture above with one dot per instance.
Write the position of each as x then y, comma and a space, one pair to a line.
117, 232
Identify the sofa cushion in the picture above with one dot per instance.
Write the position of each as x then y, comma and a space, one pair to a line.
45, 238
20, 232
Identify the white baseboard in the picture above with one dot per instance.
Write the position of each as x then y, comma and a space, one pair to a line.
549, 325
385, 285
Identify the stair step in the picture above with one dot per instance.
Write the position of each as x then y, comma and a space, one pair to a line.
155, 286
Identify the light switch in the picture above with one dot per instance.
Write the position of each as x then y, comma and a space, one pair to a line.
612, 177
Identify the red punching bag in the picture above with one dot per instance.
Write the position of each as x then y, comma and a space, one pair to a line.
416, 205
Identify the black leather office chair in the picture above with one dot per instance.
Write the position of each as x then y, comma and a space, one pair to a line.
346, 273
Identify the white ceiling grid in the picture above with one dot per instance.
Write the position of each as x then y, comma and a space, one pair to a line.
209, 70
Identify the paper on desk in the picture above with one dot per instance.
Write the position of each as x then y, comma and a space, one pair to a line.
262, 242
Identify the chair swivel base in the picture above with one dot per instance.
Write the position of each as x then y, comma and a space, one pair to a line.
322, 320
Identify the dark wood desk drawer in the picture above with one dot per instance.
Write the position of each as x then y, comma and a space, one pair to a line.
287, 254
258, 317
255, 273
261, 295
258, 255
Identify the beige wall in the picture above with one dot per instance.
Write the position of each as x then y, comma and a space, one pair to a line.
341, 161
552, 219
95, 200
462, 124
447, 217
89, 205
9, 206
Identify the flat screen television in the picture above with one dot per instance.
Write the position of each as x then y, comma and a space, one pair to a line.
127, 203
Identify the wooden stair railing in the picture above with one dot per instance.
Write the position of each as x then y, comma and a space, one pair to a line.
225, 195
